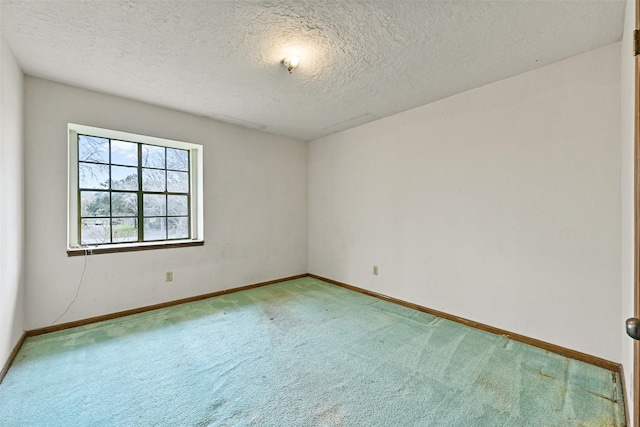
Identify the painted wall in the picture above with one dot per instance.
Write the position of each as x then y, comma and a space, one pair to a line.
500, 205
255, 196
11, 194
626, 185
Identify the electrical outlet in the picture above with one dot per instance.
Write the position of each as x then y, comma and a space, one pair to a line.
375, 270
168, 277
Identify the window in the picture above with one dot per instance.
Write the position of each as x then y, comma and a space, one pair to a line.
130, 191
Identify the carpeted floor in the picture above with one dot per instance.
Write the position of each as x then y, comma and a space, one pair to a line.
299, 353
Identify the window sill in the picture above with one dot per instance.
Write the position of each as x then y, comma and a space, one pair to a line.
131, 247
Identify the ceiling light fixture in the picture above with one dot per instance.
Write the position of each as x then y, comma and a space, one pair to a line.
291, 62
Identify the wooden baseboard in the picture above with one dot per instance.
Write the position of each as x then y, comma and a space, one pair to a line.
12, 356
563, 351
623, 385
62, 326
76, 323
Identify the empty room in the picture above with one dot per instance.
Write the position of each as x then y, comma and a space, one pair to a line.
309, 213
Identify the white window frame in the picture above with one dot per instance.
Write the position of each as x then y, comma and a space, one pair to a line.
74, 247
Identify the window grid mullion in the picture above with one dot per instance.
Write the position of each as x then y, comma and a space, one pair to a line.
166, 198
110, 221
164, 217
110, 192
189, 195
140, 197
79, 193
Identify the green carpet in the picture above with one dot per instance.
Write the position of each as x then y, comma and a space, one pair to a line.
299, 353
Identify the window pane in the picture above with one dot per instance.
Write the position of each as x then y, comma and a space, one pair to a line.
124, 204
124, 153
155, 228
153, 180
177, 159
178, 227
152, 156
124, 229
94, 203
93, 149
154, 204
122, 182
95, 231
178, 182
124, 178
177, 205
93, 176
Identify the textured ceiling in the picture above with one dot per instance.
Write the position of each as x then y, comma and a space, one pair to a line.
359, 59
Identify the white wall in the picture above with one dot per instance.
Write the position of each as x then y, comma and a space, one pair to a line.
626, 184
11, 194
501, 204
255, 195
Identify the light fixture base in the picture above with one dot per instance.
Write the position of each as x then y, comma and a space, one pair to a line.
291, 62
